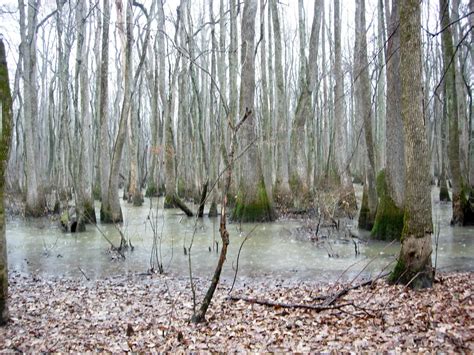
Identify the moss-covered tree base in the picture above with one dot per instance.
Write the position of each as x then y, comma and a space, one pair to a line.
388, 223
444, 193
151, 190
301, 196
106, 215
137, 199
258, 209
366, 219
36, 210
282, 194
169, 202
89, 213
468, 206
416, 279
96, 193
213, 209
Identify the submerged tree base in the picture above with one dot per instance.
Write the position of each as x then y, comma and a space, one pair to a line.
89, 213
468, 206
257, 210
213, 209
366, 219
36, 210
106, 216
388, 223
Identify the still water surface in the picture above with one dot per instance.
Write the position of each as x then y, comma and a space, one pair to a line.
273, 251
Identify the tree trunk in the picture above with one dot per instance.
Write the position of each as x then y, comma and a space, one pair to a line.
281, 191
304, 109
6, 131
391, 183
451, 102
170, 151
35, 201
252, 202
347, 201
363, 96
83, 178
414, 262
104, 161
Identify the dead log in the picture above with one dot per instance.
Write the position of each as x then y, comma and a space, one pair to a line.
182, 206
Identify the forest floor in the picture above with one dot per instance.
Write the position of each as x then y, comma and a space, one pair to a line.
152, 312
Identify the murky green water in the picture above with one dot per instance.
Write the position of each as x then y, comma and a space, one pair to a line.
273, 251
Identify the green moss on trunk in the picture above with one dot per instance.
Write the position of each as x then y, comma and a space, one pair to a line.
213, 209
467, 203
444, 193
388, 223
169, 202
151, 190
416, 279
257, 209
89, 213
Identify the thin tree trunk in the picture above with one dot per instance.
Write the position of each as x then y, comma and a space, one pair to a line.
304, 109
35, 202
363, 96
347, 200
451, 103
6, 131
104, 161
282, 187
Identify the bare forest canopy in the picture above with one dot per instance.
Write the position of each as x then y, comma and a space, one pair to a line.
111, 94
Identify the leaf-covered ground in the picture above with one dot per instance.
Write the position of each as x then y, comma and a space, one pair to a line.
151, 313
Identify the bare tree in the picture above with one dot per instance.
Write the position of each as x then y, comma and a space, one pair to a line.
364, 110
35, 201
6, 131
252, 202
347, 195
104, 161
282, 187
304, 108
414, 262
389, 219
451, 102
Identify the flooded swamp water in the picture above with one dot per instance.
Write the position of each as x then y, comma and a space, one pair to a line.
273, 252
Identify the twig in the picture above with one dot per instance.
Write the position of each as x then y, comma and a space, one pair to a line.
83, 273
238, 257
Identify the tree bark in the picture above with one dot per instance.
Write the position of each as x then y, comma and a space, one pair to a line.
6, 131
391, 183
35, 201
252, 202
104, 161
347, 201
363, 96
299, 183
414, 262
281, 191
451, 102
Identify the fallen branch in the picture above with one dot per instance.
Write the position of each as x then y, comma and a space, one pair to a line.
182, 206
314, 307
333, 298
